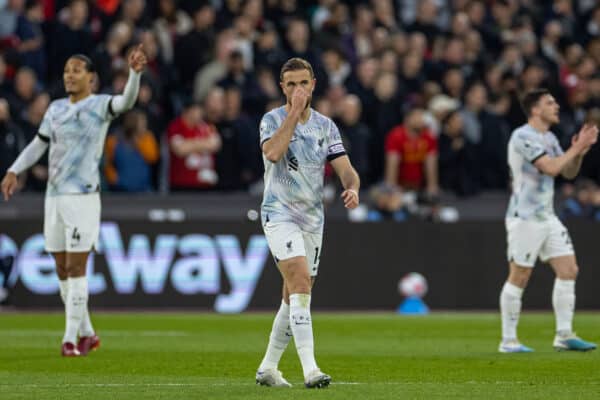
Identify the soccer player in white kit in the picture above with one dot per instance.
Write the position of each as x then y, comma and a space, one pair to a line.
75, 128
533, 229
297, 142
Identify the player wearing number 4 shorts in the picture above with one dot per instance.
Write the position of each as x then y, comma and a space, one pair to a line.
74, 129
533, 230
297, 142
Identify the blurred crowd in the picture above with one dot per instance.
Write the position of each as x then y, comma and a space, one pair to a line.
425, 92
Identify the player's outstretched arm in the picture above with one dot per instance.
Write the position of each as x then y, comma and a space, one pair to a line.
571, 170
350, 181
26, 159
563, 164
277, 145
137, 62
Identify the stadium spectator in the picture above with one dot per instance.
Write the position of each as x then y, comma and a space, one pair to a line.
195, 49
171, 23
386, 113
238, 160
356, 133
70, 36
355, 47
335, 65
31, 39
457, 157
362, 84
215, 70
9, 16
129, 155
487, 130
268, 51
12, 139
133, 13
411, 155
25, 88
438, 108
192, 146
238, 76
386, 203
110, 54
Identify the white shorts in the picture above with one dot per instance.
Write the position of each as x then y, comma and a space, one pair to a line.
71, 222
529, 239
286, 240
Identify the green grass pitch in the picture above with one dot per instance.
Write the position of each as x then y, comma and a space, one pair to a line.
369, 355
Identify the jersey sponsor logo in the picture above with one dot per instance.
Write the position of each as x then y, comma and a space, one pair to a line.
293, 163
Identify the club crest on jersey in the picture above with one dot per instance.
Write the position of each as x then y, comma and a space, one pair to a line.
320, 142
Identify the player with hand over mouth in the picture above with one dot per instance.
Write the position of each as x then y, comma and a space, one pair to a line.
297, 142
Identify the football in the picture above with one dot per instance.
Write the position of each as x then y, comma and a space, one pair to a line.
413, 285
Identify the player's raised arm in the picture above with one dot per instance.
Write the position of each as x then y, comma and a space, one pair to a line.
276, 146
571, 170
567, 163
137, 62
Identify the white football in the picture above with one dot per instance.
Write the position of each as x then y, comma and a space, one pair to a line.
413, 285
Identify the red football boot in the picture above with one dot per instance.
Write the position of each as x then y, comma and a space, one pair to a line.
69, 350
87, 344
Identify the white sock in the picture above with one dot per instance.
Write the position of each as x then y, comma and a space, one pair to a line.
77, 297
279, 339
86, 328
563, 301
510, 309
64, 290
301, 324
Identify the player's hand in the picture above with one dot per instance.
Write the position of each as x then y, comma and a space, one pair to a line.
9, 185
587, 137
350, 197
137, 59
299, 99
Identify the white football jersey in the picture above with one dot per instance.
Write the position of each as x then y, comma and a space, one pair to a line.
76, 133
294, 184
532, 190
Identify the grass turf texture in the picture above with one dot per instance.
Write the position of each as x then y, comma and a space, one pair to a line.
370, 356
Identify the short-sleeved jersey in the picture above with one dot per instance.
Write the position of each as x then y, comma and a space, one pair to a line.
532, 190
294, 184
76, 132
413, 150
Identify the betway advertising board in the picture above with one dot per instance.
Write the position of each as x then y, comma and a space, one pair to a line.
227, 266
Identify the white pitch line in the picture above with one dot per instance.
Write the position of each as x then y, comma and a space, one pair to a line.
48, 332
249, 384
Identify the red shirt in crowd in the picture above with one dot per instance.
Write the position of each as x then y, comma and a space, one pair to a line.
197, 170
413, 150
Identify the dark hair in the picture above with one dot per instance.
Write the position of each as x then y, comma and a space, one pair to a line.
531, 98
296, 64
89, 65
